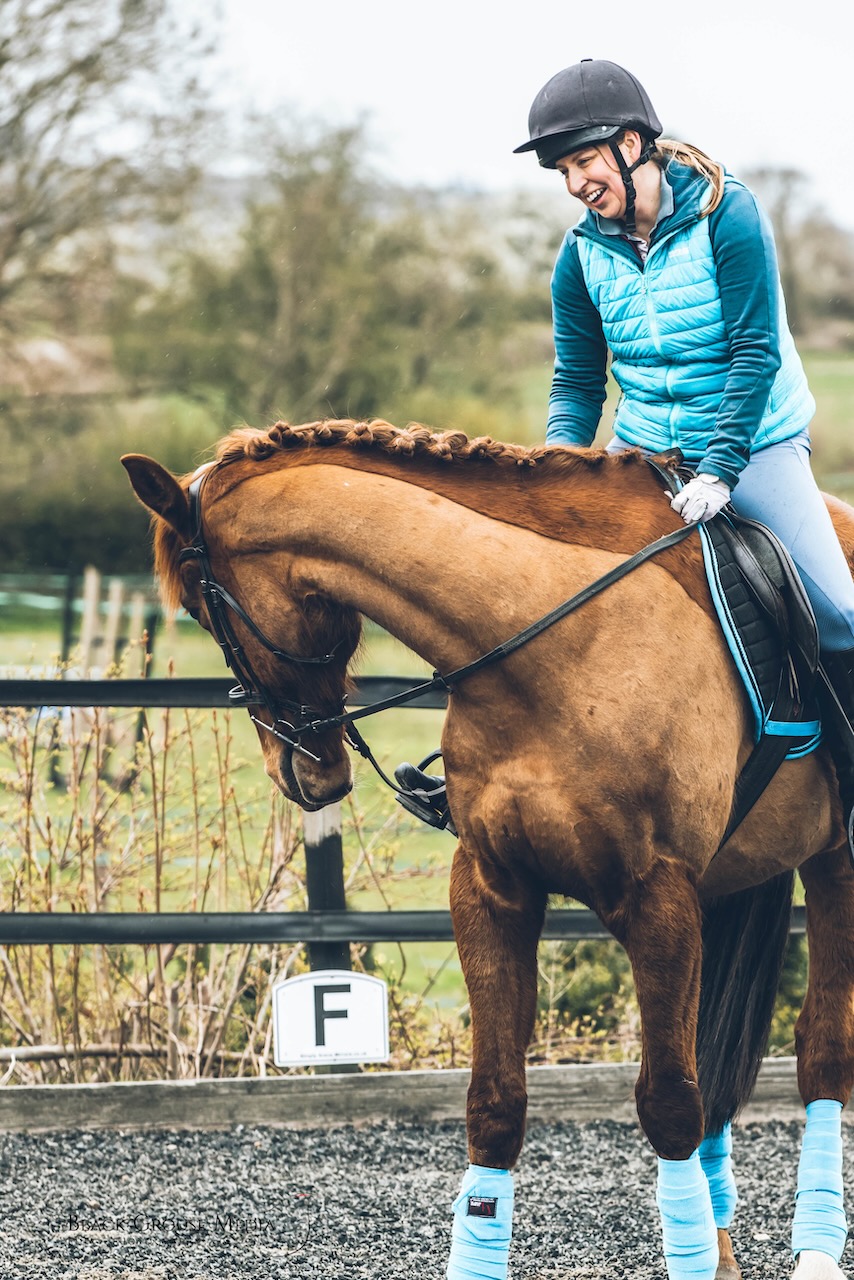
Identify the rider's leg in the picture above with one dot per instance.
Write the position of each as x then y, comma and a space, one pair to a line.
778, 489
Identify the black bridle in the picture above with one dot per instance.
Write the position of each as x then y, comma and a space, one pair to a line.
250, 691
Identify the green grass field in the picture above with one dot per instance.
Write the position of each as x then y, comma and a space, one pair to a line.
378, 834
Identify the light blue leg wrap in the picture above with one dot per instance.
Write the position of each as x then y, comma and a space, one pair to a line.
687, 1220
819, 1212
716, 1159
483, 1225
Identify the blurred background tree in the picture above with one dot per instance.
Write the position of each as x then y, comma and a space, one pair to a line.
335, 297
89, 147
166, 273
103, 122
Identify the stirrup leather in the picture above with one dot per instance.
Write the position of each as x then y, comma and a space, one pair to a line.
837, 676
424, 795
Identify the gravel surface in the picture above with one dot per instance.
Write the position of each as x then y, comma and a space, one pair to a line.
356, 1204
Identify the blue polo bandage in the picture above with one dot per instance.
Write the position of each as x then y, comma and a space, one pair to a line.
716, 1159
483, 1225
687, 1220
819, 1211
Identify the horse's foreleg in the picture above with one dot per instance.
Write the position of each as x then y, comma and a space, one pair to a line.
497, 923
659, 924
824, 1038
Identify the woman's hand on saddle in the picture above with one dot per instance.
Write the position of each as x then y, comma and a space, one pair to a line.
701, 499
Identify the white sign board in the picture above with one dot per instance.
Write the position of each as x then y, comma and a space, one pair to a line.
330, 1015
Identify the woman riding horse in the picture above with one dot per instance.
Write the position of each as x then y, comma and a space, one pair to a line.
673, 271
599, 762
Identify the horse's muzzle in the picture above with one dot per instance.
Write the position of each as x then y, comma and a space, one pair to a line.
309, 784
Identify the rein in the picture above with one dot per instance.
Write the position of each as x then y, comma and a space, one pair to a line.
250, 691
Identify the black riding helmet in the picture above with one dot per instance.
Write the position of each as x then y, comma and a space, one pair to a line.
586, 104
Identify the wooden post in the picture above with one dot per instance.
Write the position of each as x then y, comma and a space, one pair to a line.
56, 777
112, 627
150, 630
68, 601
173, 1029
136, 627
324, 878
89, 624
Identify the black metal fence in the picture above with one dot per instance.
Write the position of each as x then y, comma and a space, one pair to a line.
327, 927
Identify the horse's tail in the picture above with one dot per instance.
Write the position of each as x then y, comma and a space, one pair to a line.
744, 945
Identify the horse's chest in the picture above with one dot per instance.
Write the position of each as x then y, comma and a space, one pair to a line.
574, 846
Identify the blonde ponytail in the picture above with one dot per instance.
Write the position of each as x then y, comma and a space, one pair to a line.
668, 149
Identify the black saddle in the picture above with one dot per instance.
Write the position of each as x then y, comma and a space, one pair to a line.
771, 631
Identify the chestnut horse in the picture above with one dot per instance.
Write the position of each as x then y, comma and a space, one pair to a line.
596, 762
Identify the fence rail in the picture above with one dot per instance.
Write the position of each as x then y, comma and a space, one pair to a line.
329, 928
190, 692
110, 928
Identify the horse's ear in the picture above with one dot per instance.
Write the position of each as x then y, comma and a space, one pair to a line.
158, 490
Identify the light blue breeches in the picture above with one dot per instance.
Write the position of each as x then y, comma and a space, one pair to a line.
777, 488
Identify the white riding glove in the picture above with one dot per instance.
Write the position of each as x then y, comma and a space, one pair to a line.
701, 498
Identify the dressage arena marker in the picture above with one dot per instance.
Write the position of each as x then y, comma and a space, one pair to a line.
330, 1016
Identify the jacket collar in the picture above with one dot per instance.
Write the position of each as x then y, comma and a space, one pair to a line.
690, 191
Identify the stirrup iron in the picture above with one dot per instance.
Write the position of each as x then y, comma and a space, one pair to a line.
424, 795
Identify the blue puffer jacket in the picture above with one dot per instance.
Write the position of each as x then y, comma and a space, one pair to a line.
701, 348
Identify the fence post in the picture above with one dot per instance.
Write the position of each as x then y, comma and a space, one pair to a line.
173, 1028
112, 627
324, 882
67, 641
136, 626
56, 778
91, 619
324, 878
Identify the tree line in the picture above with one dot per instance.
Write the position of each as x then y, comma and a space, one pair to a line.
149, 303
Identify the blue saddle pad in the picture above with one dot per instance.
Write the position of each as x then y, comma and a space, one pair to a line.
757, 649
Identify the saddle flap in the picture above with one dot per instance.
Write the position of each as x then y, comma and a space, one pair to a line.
757, 559
772, 575
770, 629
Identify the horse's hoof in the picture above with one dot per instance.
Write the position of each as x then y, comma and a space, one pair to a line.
726, 1271
813, 1265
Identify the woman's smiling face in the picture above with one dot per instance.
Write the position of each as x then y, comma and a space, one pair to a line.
592, 176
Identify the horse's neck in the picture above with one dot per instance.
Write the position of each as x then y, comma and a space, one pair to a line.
445, 580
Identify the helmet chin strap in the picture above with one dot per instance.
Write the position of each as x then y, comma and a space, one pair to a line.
626, 171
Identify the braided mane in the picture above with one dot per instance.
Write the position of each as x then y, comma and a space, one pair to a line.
411, 441
533, 497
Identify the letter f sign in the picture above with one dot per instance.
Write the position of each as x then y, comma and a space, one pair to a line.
321, 1013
